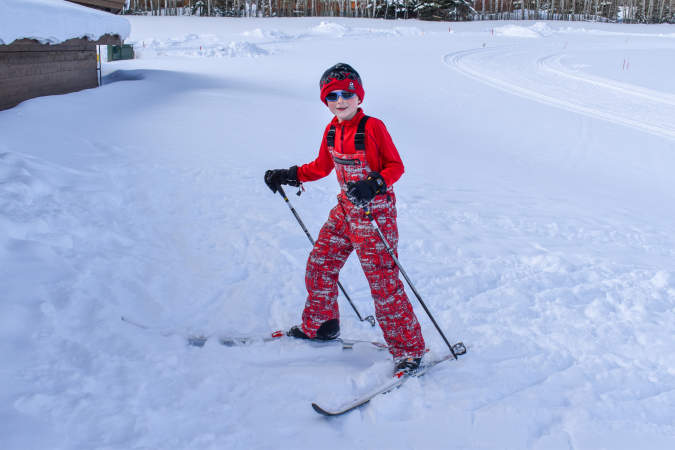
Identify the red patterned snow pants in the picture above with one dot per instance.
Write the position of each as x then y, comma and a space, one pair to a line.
348, 229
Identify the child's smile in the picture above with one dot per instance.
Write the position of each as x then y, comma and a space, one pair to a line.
344, 109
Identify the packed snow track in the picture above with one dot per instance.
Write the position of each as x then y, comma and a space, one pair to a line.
546, 79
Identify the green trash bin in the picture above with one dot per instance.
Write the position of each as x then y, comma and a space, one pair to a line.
118, 52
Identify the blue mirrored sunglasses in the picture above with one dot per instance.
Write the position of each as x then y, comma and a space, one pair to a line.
333, 96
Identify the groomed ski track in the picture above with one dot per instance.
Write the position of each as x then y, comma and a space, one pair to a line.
545, 79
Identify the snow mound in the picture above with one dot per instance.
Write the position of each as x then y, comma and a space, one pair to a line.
542, 28
329, 28
236, 49
539, 29
194, 45
515, 31
55, 21
260, 34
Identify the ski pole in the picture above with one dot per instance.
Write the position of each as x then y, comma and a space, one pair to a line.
369, 319
458, 348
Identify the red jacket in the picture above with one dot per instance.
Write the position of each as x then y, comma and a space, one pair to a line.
381, 153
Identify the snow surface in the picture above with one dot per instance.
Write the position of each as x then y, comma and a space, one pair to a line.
536, 219
55, 21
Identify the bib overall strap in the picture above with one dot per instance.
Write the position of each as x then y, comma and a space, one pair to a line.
330, 137
360, 136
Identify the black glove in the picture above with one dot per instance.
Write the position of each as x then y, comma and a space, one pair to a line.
275, 178
361, 192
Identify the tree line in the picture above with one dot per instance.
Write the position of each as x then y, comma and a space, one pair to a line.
627, 11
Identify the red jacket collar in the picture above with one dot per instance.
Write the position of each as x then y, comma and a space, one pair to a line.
354, 121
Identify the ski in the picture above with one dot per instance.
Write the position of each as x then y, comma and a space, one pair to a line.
199, 340
397, 381
347, 344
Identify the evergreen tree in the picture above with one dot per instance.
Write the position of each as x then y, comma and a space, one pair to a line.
444, 10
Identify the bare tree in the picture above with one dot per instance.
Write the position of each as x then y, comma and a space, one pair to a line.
643, 11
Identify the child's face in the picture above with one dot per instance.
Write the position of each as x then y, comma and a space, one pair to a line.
344, 109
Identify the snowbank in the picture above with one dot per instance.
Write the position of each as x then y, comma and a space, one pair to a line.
539, 29
197, 45
330, 28
55, 21
219, 42
337, 30
272, 35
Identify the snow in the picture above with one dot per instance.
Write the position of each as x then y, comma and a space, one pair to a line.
56, 21
518, 31
535, 216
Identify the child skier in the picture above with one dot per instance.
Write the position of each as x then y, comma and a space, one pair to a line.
367, 165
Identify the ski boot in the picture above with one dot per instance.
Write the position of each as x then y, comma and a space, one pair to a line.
328, 331
406, 365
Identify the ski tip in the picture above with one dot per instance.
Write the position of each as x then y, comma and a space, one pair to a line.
340, 412
321, 411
